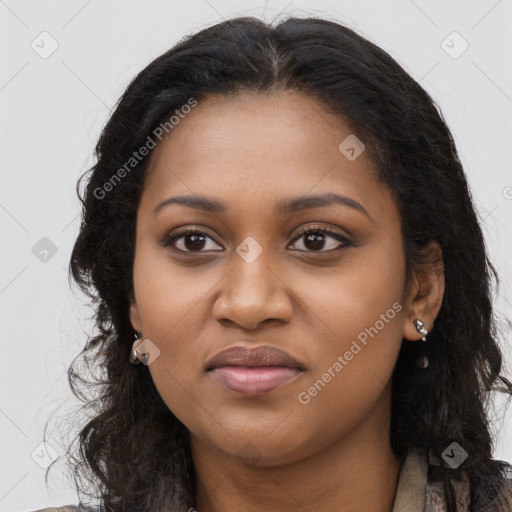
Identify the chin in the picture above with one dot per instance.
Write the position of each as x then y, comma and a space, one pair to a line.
261, 449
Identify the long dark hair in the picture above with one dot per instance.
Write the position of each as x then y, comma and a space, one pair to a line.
133, 451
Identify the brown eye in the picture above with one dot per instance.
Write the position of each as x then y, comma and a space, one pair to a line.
317, 240
189, 240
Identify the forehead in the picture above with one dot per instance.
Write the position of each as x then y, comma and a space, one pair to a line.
279, 126
256, 148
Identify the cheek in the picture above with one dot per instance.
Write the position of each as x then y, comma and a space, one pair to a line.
361, 326
358, 317
173, 314
360, 300
169, 307
167, 293
356, 347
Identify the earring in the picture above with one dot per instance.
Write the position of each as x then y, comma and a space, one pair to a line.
135, 355
422, 360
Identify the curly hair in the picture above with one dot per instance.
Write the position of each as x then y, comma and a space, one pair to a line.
133, 452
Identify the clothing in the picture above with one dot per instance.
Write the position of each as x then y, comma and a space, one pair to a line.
415, 491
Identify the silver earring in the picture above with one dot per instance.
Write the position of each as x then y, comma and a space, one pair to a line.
422, 360
134, 353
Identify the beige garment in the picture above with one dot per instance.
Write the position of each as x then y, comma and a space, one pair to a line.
412, 483
415, 493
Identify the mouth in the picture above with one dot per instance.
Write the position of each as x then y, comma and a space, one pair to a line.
253, 371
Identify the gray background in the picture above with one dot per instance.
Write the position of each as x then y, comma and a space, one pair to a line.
53, 108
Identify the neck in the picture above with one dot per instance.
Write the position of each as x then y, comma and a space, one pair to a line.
357, 472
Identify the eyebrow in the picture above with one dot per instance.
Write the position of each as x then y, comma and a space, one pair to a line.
286, 206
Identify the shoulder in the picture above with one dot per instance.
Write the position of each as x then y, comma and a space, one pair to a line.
435, 494
505, 468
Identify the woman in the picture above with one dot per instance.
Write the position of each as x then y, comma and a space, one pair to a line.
279, 216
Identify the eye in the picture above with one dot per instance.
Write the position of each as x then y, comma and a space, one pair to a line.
315, 239
190, 240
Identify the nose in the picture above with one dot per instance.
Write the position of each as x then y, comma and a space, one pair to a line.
252, 293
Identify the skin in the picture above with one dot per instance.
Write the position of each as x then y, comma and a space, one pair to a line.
272, 452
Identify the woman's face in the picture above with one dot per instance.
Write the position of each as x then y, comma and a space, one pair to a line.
332, 299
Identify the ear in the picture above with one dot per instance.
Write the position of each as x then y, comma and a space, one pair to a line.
426, 293
134, 316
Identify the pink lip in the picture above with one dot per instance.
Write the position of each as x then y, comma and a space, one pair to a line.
253, 380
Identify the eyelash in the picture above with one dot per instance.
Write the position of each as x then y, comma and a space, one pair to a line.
170, 238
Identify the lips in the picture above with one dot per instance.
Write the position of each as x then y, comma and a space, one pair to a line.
253, 371
265, 355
